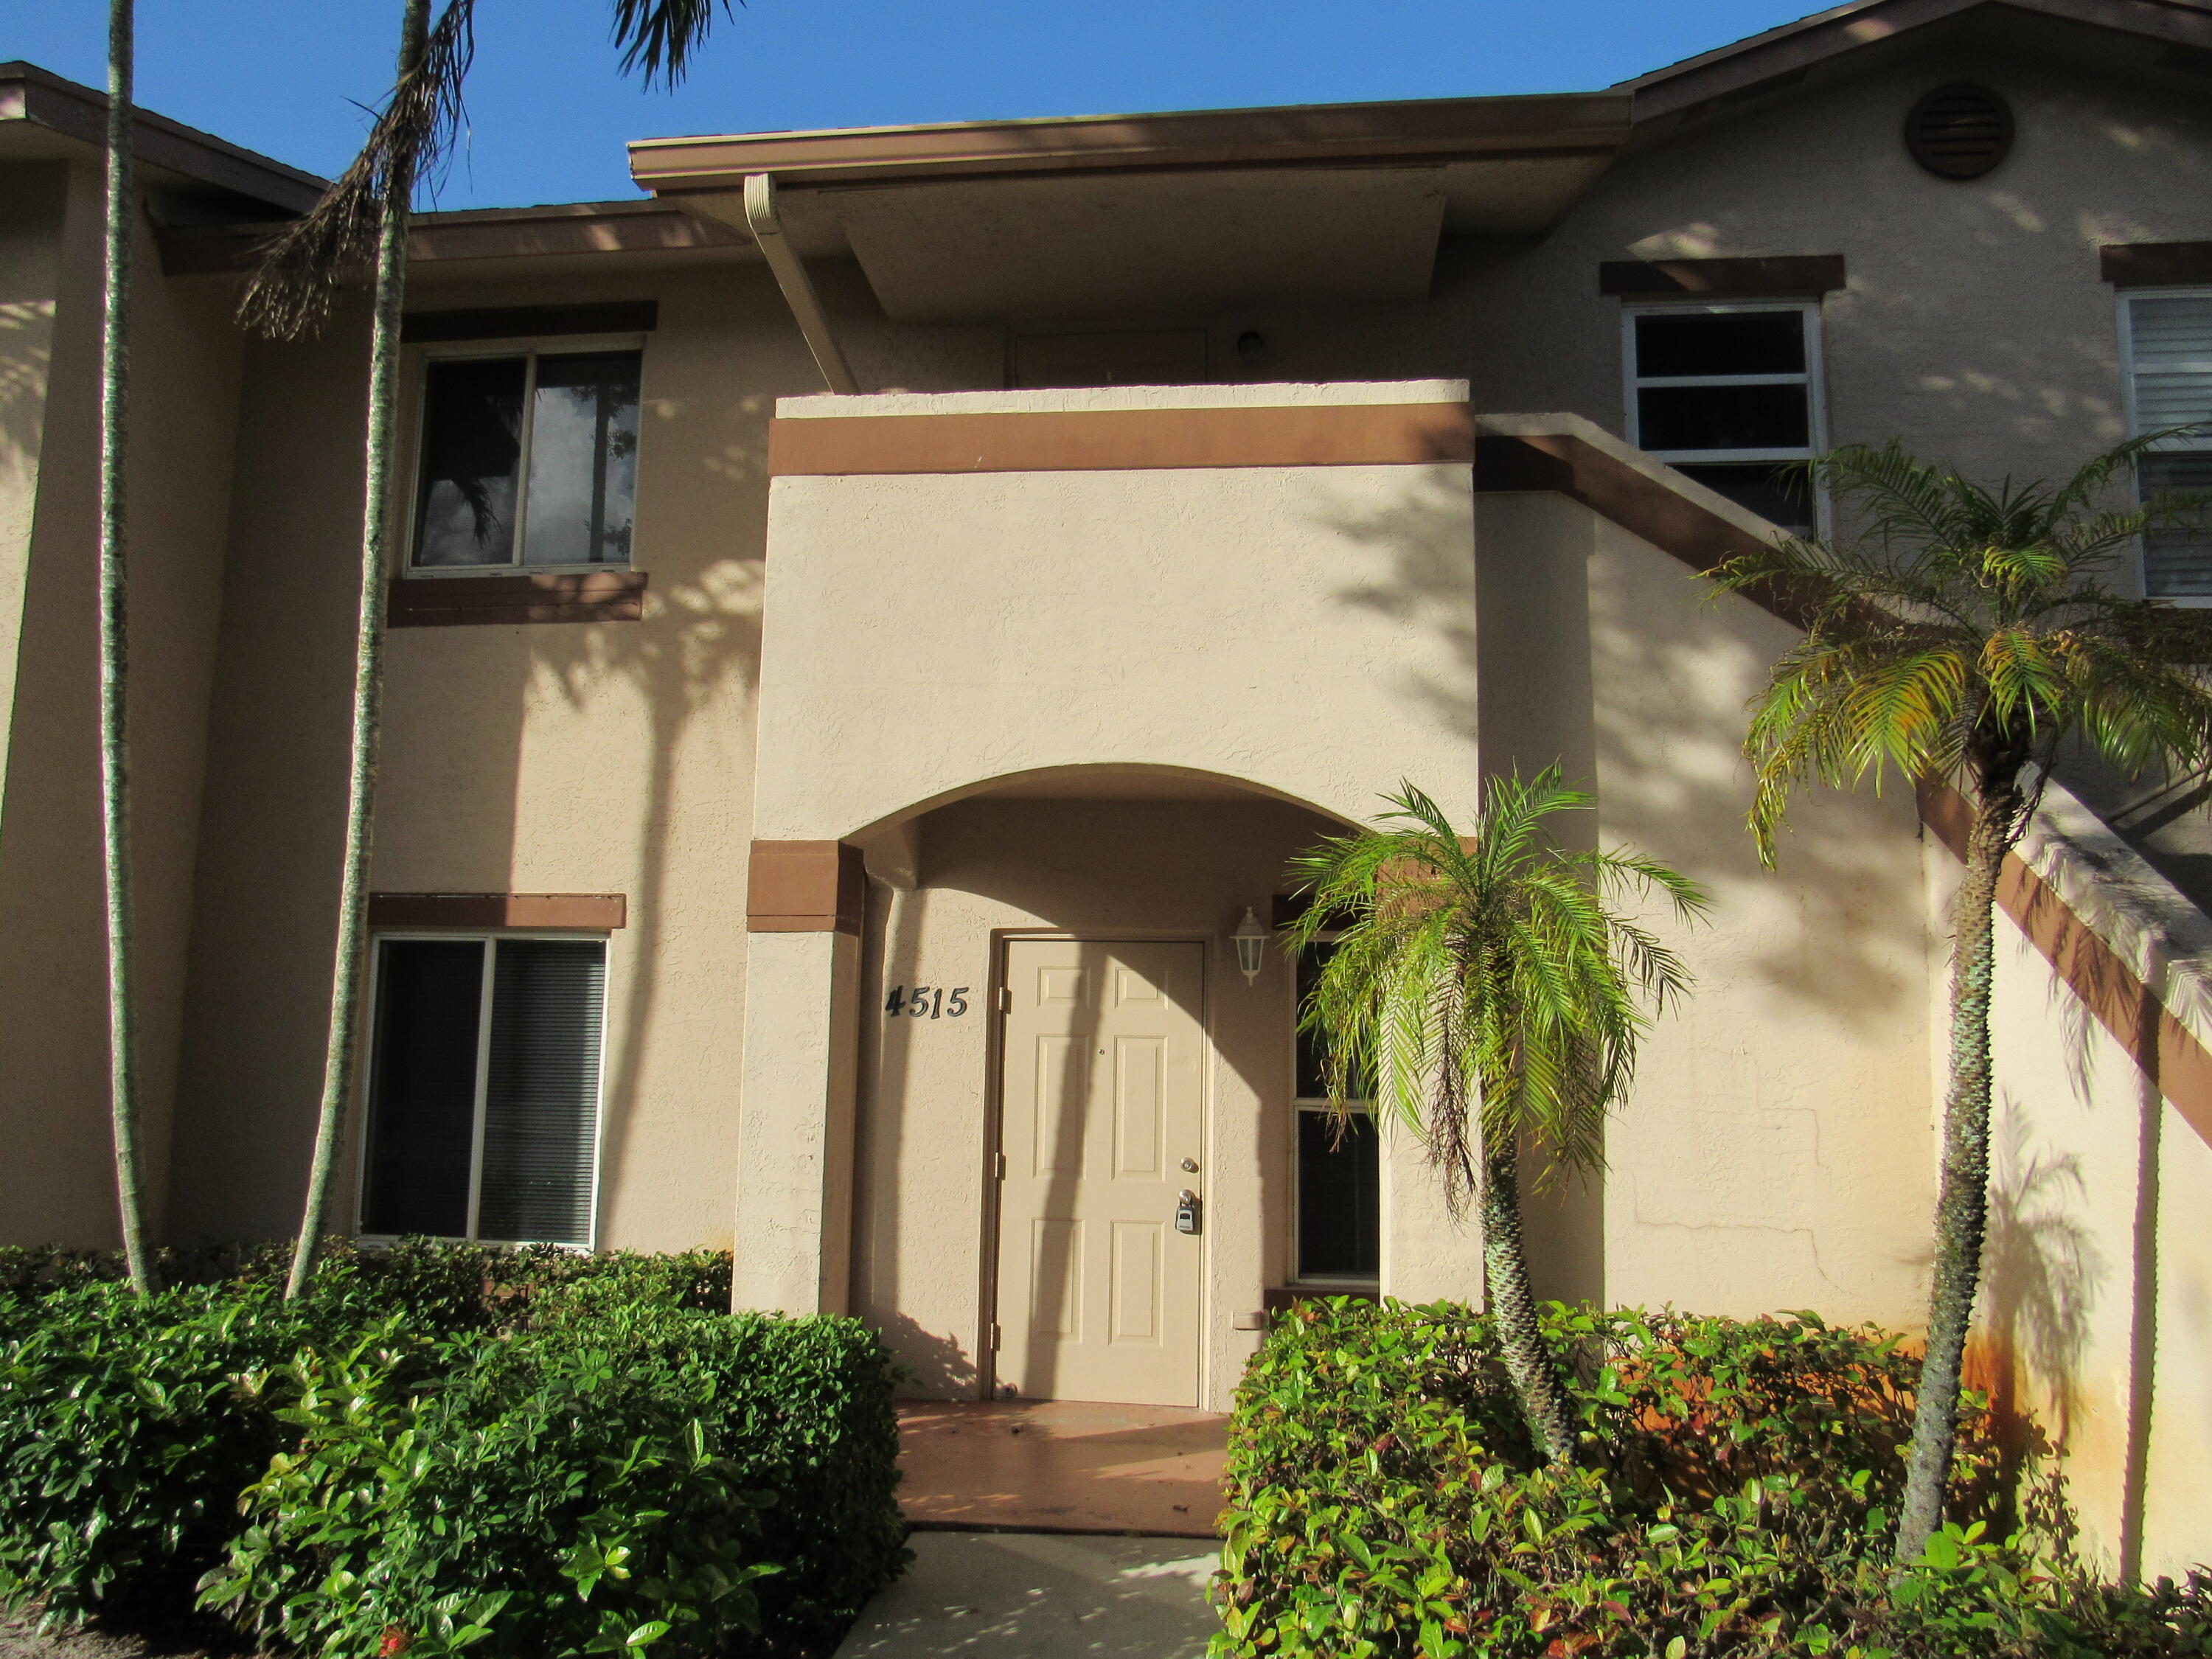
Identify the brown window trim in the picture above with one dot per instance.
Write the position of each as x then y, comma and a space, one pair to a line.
2155, 264
566, 595
524, 322
597, 912
1277, 1298
1789, 276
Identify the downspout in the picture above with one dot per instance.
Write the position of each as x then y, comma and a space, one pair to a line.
798, 289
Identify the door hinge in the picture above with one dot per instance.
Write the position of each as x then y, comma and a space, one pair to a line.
993, 1345
999, 1169
1005, 999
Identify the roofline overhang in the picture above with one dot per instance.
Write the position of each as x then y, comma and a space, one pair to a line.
1789, 51
1302, 135
44, 99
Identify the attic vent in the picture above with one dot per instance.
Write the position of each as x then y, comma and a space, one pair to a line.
1959, 131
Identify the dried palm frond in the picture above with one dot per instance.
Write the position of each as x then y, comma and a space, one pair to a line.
302, 267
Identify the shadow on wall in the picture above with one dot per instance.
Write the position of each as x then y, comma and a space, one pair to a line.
2042, 1273
697, 642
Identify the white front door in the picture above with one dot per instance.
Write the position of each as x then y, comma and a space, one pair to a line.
1102, 1123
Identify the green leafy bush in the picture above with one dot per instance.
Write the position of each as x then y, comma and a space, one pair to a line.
617, 1479
444, 1445
125, 1441
1738, 1486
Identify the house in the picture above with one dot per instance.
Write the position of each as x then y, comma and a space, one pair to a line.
824, 824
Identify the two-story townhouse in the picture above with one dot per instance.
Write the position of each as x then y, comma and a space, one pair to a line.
850, 826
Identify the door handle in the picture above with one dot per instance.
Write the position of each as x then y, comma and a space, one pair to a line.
1190, 1212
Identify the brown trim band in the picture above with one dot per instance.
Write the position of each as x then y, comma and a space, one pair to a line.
1122, 439
1280, 1299
2155, 264
805, 887
521, 322
1635, 501
599, 912
542, 596
2168, 1054
1796, 276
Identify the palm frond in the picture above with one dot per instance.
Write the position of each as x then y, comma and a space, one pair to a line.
659, 36
302, 267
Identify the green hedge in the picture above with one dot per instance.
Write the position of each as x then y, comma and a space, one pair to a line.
446, 1447
1736, 1491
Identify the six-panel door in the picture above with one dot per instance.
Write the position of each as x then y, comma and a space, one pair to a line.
1103, 1125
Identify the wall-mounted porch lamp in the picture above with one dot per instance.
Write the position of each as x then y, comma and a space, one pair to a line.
1251, 946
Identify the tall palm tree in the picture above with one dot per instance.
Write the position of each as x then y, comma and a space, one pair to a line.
1488, 993
362, 220
115, 648
1965, 636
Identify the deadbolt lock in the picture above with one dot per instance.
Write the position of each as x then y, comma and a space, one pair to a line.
1190, 1166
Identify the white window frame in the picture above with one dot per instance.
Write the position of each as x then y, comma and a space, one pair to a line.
530, 349
373, 1010
1301, 1105
1814, 379
2125, 298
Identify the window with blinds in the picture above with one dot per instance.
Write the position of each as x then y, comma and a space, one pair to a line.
484, 1089
2169, 350
1338, 1186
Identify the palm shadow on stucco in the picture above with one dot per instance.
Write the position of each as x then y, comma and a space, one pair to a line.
699, 643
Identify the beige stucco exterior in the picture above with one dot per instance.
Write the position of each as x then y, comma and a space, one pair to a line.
1103, 699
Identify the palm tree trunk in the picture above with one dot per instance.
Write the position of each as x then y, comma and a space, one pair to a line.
114, 652
368, 676
1513, 1302
1962, 1206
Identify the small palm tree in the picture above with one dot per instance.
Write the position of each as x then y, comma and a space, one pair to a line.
1962, 639
115, 648
362, 220
1485, 991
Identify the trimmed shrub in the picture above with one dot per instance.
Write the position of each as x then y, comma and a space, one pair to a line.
1736, 1498
125, 1440
441, 1445
616, 1479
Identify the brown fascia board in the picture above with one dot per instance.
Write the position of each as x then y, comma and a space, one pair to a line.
557, 229
28, 93
1548, 124
1787, 53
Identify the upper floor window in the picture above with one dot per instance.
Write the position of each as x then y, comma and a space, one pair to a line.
483, 1089
2167, 339
529, 461
1728, 395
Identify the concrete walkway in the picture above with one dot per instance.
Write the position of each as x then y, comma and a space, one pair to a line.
1031, 1595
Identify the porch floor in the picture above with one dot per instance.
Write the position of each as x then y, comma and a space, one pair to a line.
1061, 1466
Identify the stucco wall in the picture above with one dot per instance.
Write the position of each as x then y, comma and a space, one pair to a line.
2095, 1314
571, 757
53, 1049
1775, 1153
1976, 326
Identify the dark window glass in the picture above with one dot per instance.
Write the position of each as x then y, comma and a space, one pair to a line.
472, 454
541, 1091
1339, 1197
423, 1106
1720, 343
583, 460
2177, 561
1780, 493
1722, 417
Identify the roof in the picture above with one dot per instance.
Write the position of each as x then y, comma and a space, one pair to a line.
46, 104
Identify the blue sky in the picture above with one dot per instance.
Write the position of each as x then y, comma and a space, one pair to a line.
549, 113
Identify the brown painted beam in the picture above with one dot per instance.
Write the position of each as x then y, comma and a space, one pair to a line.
805, 887
1795, 277
595, 911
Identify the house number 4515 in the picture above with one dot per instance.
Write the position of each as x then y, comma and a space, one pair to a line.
927, 1002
